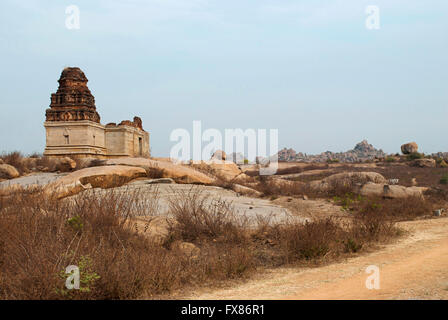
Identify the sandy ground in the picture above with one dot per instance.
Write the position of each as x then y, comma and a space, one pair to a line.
415, 267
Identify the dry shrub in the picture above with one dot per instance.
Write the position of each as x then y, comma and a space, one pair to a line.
223, 261
222, 236
325, 239
155, 172
300, 169
25, 165
201, 217
46, 162
371, 228
49, 164
35, 155
268, 186
396, 209
40, 237
308, 241
14, 159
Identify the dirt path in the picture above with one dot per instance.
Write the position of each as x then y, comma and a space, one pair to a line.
416, 267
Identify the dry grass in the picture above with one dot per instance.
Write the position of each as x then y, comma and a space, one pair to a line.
395, 209
14, 159
300, 169
40, 237
322, 240
200, 217
269, 187
35, 162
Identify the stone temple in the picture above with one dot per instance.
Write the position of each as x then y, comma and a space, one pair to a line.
73, 125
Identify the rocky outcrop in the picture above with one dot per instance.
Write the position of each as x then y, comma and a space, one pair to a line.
348, 179
246, 191
225, 170
440, 155
8, 172
409, 148
424, 163
89, 162
157, 229
97, 177
363, 151
391, 191
64, 164
219, 155
164, 169
236, 157
366, 184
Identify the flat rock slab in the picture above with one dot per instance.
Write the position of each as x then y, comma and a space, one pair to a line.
40, 179
249, 208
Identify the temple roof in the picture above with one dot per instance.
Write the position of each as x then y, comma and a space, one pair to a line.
73, 100
73, 73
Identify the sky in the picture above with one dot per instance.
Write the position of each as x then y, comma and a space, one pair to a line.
311, 69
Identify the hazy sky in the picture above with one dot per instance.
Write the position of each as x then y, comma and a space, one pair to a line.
309, 68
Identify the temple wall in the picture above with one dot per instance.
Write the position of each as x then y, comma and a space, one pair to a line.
127, 141
74, 138
87, 138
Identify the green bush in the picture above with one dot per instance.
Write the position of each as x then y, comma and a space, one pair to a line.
347, 200
443, 164
351, 245
415, 155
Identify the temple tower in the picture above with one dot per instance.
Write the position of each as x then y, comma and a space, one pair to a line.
73, 125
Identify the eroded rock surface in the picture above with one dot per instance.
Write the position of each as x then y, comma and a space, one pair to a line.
346, 179
391, 191
165, 169
8, 172
96, 177
409, 148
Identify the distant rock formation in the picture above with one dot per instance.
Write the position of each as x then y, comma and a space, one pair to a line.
363, 151
237, 157
409, 148
219, 155
440, 155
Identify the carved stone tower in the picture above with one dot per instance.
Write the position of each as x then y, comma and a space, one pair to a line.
73, 101
73, 125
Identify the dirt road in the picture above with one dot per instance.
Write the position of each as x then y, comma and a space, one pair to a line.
415, 267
